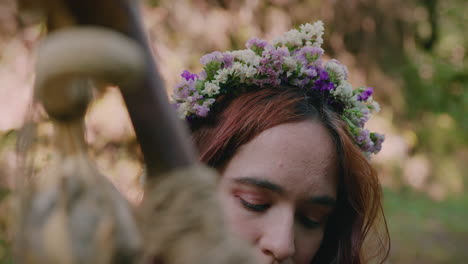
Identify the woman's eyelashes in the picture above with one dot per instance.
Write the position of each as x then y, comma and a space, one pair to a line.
253, 206
307, 222
254, 201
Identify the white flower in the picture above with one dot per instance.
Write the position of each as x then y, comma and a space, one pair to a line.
293, 37
338, 70
208, 102
310, 33
190, 99
278, 41
354, 100
183, 109
313, 32
175, 97
344, 91
247, 56
375, 106
222, 75
210, 89
362, 108
244, 71
316, 29
291, 65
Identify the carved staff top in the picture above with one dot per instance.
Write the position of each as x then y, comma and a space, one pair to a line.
163, 138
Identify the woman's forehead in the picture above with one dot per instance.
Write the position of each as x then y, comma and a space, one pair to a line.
298, 156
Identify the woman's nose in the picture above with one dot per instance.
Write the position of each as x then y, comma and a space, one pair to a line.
277, 240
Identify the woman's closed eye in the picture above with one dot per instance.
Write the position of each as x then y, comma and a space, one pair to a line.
307, 222
313, 217
253, 201
254, 206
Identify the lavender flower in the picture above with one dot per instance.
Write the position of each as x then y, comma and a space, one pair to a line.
323, 82
378, 139
300, 82
271, 67
364, 95
184, 89
201, 110
225, 59
310, 71
308, 54
258, 45
202, 75
213, 56
363, 136
228, 59
365, 116
364, 140
358, 115
189, 76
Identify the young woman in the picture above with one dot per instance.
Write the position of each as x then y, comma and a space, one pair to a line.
286, 132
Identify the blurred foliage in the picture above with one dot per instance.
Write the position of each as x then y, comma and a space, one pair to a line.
414, 52
424, 231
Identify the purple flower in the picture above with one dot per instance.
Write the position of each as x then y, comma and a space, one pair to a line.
185, 88
189, 76
323, 74
271, 67
256, 42
363, 136
270, 76
190, 118
323, 82
363, 117
364, 140
364, 95
201, 110
300, 82
195, 97
358, 115
378, 139
213, 56
225, 58
280, 52
310, 71
202, 75
308, 54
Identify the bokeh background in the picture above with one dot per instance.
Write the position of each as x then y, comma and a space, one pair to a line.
413, 52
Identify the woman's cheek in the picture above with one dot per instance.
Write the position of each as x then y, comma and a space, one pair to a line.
307, 245
241, 222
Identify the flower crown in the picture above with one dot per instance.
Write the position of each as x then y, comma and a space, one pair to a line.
293, 59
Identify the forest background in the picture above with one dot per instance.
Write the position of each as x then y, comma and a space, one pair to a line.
413, 52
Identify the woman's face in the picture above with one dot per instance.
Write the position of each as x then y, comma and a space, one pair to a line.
279, 189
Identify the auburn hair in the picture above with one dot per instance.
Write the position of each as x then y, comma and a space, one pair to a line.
359, 196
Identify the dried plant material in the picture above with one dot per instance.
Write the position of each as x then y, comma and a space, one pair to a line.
183, 223
73, 214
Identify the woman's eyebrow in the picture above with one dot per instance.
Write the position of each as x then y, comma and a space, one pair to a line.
260, 183
322, 200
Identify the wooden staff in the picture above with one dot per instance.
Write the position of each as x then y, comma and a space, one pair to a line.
163, 139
